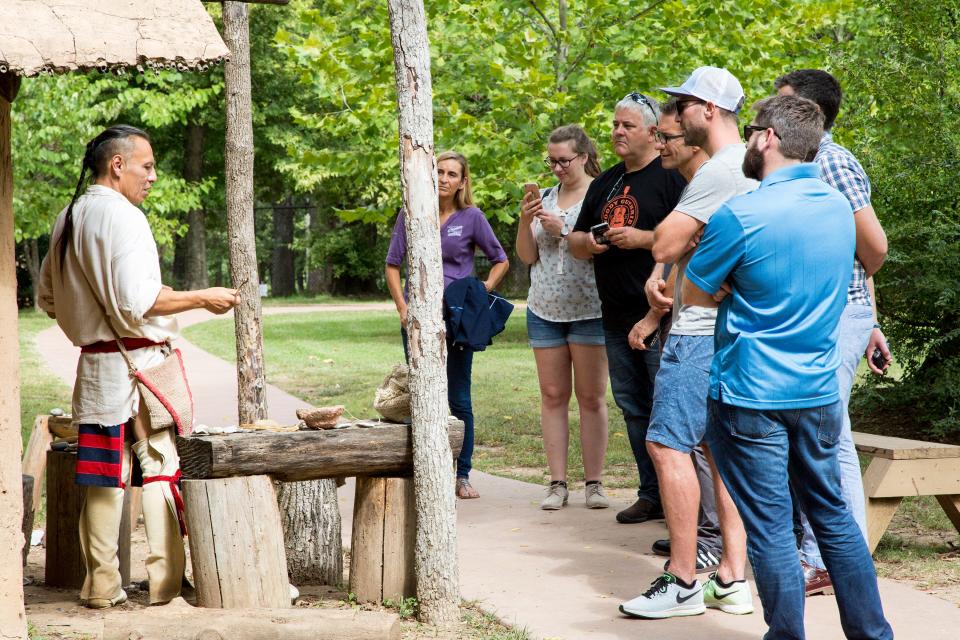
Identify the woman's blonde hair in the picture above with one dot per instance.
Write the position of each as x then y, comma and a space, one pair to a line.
464, 196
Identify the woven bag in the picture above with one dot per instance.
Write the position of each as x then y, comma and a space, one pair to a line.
165, 391
392, 397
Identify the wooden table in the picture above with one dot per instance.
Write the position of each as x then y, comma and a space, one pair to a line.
901, 468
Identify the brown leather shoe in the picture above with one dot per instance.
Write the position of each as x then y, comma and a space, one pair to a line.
640, 511
817, 581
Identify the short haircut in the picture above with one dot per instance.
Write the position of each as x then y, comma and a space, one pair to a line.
669, 107
797, 121
649, 110
816, 85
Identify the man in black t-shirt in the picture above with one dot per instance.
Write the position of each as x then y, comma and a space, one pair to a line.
632, 197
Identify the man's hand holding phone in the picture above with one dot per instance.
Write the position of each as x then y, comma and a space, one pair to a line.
598, 239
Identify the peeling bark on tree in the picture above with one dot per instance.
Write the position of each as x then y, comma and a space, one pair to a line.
438, 589
13, 622
311, 531
251, 383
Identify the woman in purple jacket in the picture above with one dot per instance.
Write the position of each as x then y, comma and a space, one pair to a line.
463, 228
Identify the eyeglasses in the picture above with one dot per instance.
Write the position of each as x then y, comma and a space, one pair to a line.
639, 98
664, 138
683, 104
563, 162
750, 129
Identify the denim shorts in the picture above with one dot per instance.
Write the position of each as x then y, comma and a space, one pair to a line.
544, 334
679, 417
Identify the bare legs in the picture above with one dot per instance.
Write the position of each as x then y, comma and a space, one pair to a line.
680, 492
588, 379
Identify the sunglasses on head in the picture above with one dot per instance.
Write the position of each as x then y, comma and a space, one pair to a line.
639, 98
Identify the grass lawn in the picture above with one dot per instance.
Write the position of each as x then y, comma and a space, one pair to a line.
40, 390
341, 358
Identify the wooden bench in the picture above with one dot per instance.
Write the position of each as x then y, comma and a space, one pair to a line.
227, 483
901, 468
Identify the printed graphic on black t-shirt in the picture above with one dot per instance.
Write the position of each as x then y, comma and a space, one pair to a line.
639, 199
622, 211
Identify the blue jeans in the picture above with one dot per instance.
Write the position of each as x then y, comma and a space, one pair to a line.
459, 377
760, 455
856, 323
632, 373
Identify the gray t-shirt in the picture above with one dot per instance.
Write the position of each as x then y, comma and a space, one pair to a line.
716, 181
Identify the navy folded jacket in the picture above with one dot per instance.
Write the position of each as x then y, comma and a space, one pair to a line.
473, 316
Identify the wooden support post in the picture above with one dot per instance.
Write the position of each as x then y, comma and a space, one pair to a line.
951, 505
28, 512
384, 534
879, 514
13, 621
35, 455
236, 543
65, 566
179, 621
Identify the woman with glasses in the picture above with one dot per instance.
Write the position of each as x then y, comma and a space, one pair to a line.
563, 317
463, 229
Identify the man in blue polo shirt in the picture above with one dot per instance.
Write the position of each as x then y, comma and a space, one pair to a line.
785, 253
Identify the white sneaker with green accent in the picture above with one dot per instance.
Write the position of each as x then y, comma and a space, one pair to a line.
666, 599
735, 599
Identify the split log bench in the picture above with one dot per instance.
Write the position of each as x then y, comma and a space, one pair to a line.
902, 467
235, 533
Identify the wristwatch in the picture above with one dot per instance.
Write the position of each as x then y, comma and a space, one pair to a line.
564, 230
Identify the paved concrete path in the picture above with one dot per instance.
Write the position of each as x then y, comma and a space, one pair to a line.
558, 574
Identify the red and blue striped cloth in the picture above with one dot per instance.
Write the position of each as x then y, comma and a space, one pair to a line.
100, 455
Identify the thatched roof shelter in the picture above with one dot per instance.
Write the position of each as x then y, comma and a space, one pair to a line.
53, 36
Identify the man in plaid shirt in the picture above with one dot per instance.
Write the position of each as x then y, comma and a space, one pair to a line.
860, 335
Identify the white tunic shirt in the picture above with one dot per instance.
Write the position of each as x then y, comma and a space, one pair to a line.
111, 268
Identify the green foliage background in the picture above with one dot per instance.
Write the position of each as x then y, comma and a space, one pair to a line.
505, 72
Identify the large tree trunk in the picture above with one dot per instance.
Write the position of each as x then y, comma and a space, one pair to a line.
31, 251
281, 272
251, 383
195, 242
438, 591
311, 531
13, 622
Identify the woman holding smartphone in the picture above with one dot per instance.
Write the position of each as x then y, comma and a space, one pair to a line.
563, 317
463, 228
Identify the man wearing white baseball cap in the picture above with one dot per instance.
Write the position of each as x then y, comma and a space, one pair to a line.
706, 111
711, 84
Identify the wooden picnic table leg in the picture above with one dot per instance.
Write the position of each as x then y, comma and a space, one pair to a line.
879, 514
951, 504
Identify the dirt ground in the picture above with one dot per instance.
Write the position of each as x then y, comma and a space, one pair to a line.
56, 614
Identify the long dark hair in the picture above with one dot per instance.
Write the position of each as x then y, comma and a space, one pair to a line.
98, 152
581, 144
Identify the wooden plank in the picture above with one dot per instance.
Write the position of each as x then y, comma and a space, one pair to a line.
236, 543
306, 455
902, 448
26, 525
35, 456
912, 478
879, 514
366, 542
197, 515
179, 621
951, 505
399, 537
65, 566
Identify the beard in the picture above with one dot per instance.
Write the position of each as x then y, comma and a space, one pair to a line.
753, 164
694, 136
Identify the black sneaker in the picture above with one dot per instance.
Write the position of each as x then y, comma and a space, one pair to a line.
640, 511
707, 559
